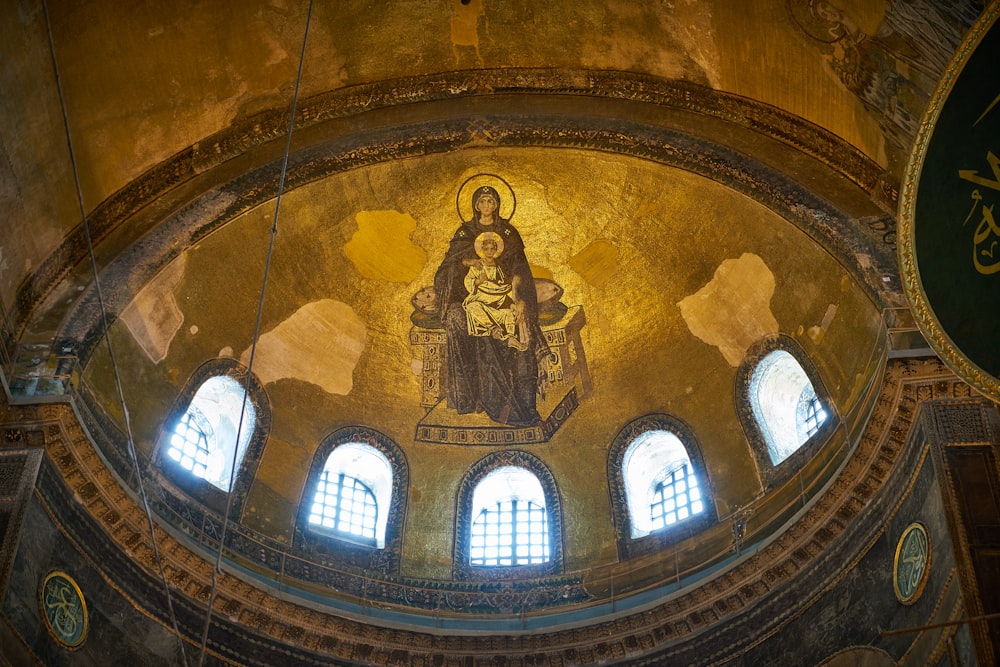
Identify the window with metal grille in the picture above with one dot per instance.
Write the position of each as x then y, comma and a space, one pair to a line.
189, 442
511, 523
661, 486
813, 415
512, 532
785, 404
345, 505
352, 495
676, 498
210, 439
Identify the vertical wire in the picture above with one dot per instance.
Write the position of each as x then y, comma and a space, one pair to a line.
217, 570
107, 337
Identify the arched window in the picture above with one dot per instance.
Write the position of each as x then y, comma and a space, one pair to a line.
785, 404
511, 524
508, 522
211, 437
353, 494
659, 486
353, 502
785, 410
660, 483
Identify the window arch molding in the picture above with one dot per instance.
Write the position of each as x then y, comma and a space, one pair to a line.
628, 546
772, 474
325, 548
465, 517
202, 491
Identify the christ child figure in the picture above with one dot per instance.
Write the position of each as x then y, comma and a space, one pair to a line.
492, 307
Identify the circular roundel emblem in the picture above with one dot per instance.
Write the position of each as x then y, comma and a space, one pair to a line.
911, 565
949, 234
64, 609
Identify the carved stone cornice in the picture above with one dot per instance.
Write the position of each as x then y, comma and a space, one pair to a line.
696, 625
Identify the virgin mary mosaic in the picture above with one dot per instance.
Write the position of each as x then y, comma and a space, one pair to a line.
496, 339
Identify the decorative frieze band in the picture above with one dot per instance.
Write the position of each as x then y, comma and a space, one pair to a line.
701, 619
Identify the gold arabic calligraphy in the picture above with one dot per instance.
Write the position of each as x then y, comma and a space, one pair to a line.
62, 607
986, 239
914, 562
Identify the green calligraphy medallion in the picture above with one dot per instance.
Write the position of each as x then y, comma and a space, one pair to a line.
64, 609
911, 565
949, 218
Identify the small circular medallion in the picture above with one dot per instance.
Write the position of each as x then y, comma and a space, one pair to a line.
911, 565
64, 609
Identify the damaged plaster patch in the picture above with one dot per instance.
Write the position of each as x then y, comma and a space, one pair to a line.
817, 333
320, 343
153, 317
733, 310
465, 16
381, 249
697, 34
597, 263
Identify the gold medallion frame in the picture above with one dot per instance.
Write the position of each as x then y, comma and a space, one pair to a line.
924, 575
43, 609
926, 320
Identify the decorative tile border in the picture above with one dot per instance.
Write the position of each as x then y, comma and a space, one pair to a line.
840, 237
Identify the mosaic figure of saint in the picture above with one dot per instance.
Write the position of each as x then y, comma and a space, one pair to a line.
892, 70
489, 310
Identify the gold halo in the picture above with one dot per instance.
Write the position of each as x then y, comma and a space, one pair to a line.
488, 235
463, 201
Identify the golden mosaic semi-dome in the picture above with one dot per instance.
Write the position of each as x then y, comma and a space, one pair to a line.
273, 399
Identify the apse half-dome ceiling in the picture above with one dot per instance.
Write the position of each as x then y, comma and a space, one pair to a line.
461, 317
650, 288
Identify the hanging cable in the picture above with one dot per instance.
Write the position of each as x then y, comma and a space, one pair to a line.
134, 459
217, 570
